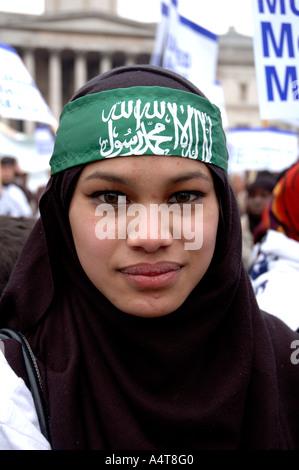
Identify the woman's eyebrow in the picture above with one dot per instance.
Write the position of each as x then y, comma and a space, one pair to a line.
190, 175
123, 180
107, 177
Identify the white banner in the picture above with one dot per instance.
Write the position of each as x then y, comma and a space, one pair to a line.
19, 96
189, 50
276, 51
185, 47
261, 149
161, 36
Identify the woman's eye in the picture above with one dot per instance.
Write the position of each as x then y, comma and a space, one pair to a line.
109, 197
184, 197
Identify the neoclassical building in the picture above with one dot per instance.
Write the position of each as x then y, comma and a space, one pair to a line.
76, 39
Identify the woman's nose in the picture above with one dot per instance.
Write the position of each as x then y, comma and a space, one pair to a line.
150, 230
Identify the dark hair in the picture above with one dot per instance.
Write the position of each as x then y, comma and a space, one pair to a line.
8, 161
14, 232
264, 180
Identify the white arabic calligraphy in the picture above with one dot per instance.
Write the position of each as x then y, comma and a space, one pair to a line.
184, 133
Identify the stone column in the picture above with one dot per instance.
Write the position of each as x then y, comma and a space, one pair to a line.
29, 62
105, 62
130, 59
55, 83
80, 70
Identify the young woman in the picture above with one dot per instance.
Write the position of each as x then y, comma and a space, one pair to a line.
131, 289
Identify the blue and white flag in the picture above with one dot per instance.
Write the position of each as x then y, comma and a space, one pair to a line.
276, 50
19, 97
189, 50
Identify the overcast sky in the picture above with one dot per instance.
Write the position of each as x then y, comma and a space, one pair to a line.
214, 15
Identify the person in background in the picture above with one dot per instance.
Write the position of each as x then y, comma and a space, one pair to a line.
238, 184
13, 200
258, 194
14, 231
274, 262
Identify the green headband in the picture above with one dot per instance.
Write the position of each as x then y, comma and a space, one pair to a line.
141, 120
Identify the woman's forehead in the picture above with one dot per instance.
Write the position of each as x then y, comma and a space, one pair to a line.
124, 168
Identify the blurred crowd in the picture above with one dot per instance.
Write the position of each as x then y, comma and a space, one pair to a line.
16, 199
18, 213
269, 216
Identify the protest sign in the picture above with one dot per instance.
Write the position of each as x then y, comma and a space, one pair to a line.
19, 97
161, 36
185, 47
261, 149
189, 50
276, 50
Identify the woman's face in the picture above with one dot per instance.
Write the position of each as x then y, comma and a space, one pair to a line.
145, 229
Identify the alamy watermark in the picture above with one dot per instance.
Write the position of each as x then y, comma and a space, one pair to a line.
295, 354
156, 221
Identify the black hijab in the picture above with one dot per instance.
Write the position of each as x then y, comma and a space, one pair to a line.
215, 374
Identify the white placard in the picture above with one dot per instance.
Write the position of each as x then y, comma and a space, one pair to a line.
185, 47
19, 97
276, 51
261, 149
189, 50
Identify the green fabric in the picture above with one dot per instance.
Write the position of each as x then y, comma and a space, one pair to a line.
139, 121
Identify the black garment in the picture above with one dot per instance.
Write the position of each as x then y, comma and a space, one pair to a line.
215, 374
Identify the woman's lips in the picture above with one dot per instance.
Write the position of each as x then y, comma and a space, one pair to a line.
152, 275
